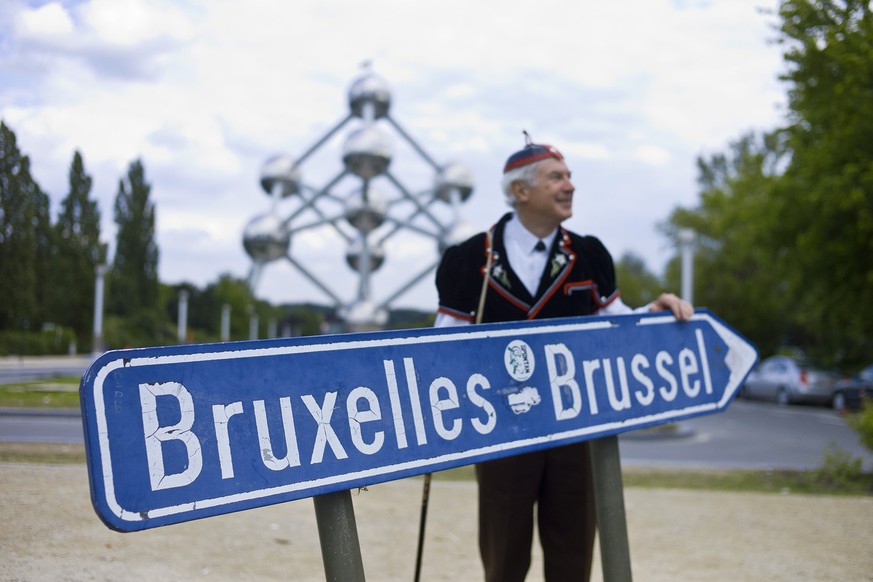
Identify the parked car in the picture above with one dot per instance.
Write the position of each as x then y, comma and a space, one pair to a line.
788, 380
850, 393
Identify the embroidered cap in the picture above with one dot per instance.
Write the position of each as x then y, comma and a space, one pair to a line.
532, 152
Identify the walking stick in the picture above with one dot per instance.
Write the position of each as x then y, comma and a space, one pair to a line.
425, 494
424, 499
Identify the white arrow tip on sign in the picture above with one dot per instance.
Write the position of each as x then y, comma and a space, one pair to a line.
740, 358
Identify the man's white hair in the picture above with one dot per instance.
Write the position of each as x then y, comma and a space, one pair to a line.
524, 174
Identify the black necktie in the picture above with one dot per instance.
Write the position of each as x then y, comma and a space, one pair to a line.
540, 246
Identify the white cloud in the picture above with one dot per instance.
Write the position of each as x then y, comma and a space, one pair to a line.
652, 155
589, 151
49, 20
133, 22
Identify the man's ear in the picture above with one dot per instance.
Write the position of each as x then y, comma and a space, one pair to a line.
519, 190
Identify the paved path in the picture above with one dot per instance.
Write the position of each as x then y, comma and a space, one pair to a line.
18, 369
48, 531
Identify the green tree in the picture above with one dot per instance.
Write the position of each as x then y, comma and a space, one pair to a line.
25, 239
825, 203
134, 316
133, 287
738, 269
78, 251
638, 285
234, 293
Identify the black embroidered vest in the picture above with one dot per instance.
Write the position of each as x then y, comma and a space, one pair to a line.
579, 279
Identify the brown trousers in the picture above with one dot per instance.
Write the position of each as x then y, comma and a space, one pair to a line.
558, 482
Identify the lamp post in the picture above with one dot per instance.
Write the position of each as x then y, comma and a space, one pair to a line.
687, 237
182, 323
225, 322
97, 342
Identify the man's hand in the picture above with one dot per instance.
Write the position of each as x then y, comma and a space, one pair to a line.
681, 309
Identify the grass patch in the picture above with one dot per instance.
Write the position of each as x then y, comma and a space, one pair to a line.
465, 473
42, 453
830, 479
823, 481
816, 482
54, 393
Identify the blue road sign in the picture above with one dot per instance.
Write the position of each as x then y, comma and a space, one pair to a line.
179, 433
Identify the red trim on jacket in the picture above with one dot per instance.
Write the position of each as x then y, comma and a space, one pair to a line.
456, 314
591, 287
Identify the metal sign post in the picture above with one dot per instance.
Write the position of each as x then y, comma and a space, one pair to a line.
609, 501
184, 432
338, 534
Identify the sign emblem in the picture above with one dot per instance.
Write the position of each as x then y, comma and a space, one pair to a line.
519, 360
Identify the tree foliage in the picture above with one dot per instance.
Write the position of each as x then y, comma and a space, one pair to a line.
25, 239
638, 285
825, 202
133, 281
77, 252
785, 220
737, 266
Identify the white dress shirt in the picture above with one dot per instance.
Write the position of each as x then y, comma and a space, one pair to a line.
527, 262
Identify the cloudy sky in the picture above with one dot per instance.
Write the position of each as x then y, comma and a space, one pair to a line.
205, 91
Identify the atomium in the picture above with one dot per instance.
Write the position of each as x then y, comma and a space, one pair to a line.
370, 202
265, 238
279, 174
374, 254
367, 209
454, 180
369, 97
367, 152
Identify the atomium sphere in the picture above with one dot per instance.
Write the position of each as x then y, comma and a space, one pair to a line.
456, 234
265, 238
455, 177
375, 251
367, 152
364, 314
280, 170
366, 213
369, 94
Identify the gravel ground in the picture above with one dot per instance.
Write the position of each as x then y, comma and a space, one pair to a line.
49, 531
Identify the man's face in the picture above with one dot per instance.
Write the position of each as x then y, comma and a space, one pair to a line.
549, 199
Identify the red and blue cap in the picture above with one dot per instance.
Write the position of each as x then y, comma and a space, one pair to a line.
532, 152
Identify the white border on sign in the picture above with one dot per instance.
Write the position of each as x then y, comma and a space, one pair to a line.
733, 341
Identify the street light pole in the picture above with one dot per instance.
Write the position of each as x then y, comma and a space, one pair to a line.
225, 322
686, 244
182, 324
97, 342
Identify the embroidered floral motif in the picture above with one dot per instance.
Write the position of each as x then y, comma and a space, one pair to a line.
499, 273
558, 262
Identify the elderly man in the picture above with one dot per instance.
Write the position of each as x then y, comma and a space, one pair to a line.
528, 267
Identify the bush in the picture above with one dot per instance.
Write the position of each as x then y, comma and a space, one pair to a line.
840, 470
48, 342
862, 423
142, 329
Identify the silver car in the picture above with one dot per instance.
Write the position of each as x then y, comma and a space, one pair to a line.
788, 380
